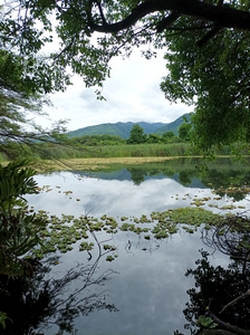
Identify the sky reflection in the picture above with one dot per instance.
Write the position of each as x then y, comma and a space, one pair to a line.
149, 287
117, 198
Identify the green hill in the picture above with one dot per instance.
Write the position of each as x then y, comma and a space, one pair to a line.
122, 129
173, 126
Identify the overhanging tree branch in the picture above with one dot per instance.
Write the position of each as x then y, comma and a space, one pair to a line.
209, 35
167, 21
223, 15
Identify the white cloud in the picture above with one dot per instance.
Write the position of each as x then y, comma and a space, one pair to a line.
132, 94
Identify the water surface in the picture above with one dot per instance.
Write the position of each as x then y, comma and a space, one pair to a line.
147, 284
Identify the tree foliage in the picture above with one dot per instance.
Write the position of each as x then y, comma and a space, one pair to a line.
184, 132
206, 45
215, 79
20, 102
18, 228
137, 135
15, 96
93, 140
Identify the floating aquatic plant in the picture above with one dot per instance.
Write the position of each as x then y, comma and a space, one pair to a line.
86, 246
206, 322
198, 202
109, 247
228, 207
127, 227
67, 192
64, 232
144, 219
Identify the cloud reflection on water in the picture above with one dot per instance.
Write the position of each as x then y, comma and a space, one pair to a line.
150, 287
113, 197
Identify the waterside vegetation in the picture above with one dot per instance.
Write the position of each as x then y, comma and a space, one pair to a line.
91, 152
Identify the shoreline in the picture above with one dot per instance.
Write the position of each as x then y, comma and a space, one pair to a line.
94, 163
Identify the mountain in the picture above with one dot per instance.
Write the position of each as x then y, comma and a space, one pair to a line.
122, 129
173, 126
118, 129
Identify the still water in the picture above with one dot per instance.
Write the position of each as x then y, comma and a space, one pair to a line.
144, 290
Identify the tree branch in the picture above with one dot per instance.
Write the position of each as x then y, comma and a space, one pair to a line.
163, 24
224, 15
228, 326
104, 22
243, 296
209, 35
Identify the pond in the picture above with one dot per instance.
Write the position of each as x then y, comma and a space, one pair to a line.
129, 282
142, 189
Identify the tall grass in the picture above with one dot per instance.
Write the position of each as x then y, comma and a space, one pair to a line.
65, 151
144, 150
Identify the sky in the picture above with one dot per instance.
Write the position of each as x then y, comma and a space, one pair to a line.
132, 94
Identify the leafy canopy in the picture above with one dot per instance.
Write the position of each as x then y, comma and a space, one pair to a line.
206, 45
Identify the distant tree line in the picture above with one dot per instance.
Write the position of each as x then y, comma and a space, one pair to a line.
81, 146
92, 140
137, 136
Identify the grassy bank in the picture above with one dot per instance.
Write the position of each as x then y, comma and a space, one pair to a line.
77, 164
52, 151
51, 156
46, 151
187, 163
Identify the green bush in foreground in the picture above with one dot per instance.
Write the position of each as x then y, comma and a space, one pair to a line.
18, 228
